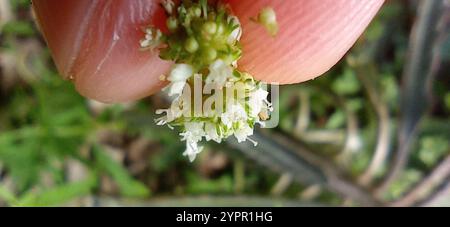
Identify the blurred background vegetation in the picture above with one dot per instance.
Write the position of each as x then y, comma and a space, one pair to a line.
374, 131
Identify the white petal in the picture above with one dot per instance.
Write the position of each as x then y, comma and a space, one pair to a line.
192, 149
180, 72
219, 72
243, 132
258, 101
145, 43
168, 6
194, 131
211, 133
176, 88
234, 113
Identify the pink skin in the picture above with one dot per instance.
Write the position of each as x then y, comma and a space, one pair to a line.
96, 42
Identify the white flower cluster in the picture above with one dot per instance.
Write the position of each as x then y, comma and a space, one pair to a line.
238, 118
206, 50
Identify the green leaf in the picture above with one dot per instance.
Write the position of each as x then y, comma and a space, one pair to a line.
433, 148
336, 120
447, 101
347, 83
59, 195
127, 185
7, 196
21, 28
199, 185
406, 180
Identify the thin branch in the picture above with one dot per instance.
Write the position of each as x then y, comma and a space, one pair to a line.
286, 155
303, 121
384, 127
438, 196
6, 13
276, 157
303, 118
424, 187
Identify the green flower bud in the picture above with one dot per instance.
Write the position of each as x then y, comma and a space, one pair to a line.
191, 45
228, 59
172, 23
196, 11
268, 18
220, 29
209, 28
210, 54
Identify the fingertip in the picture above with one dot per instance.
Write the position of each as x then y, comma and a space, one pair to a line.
96, 45
313, 36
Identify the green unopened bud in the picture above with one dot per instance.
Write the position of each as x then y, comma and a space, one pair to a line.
220, 29
172, 23
191, 45
268, 18
209, 28
228, 59
210, 54
195, 11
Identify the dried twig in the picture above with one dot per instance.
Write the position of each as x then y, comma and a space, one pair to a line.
6, 14
384, 127
424, 187
441, 194
286, 155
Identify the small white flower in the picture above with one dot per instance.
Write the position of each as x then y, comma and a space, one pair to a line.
152, 38
177, 109
234, 113
219, 72
194, 131
145, 43
178, 76
192, 150
211, 133
193, 134
168, 5
243, 132
258, 102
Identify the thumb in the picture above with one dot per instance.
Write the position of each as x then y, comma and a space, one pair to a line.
96, 44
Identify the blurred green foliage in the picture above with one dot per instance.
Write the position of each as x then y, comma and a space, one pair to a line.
46, 126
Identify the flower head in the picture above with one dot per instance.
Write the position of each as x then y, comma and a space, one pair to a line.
209, 47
